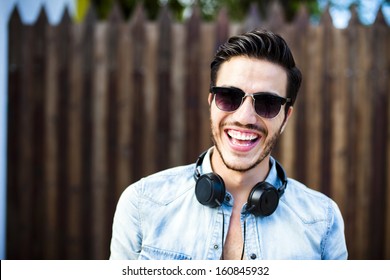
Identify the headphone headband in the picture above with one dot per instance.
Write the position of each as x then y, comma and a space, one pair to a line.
199, 162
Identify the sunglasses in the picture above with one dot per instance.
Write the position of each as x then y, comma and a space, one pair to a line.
267, 105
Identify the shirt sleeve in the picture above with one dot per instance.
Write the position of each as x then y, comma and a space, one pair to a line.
334, 245
126, 229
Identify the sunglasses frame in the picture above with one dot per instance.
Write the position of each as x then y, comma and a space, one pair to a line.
282, 100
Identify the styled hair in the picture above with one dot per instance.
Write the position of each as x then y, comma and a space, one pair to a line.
261, 44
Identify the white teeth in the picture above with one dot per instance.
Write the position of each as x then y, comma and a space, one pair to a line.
242, 136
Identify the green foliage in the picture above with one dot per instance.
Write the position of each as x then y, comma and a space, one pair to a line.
81, 9
209, 9
238, 9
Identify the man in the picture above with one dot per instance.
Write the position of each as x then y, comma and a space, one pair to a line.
236, 202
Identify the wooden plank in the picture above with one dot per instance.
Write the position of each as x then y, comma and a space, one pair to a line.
286, 149
292, 148
339, 121
124, 116
99, 143
276, 19
299, 34
207, 46
313, 108
358, 220
326, 85
26, 154
192, 81
177, 154
151, 96
354, 59
138, 39
65, 192
52, 231
16, 34
253, 19
380, 127
223, 27
62, 192
112, 41
113, 38
74, 143
164, 91
86, 136
38, 133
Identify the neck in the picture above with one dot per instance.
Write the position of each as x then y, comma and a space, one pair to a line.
239, 184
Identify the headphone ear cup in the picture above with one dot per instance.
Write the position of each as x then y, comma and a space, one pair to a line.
263, 199
210, 190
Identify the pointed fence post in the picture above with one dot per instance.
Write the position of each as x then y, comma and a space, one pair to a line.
86, 137
178, 73
164, 89
192, 80
222, 28
138, 41
77, 154
380, 133
313, 61
353, 185
327, 79
123, 107
99, 142
16, 99
298, 36
253, 18
276, 18
68, 197
55, 149
114, 76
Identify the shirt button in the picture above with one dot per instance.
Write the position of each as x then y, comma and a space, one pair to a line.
216, 246
253, 256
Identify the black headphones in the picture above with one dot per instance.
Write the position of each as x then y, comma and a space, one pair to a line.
263, 198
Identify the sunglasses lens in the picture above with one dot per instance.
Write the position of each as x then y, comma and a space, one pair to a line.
227, 100
267, 106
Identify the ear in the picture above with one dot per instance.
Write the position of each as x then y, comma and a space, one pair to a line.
210, 99
289, 113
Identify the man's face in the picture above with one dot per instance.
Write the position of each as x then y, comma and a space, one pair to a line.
242, 138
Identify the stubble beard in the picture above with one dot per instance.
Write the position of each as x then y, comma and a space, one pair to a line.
269, 145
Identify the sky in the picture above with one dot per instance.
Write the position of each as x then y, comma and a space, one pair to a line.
367, 11
29, 10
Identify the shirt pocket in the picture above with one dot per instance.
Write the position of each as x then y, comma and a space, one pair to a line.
151, 253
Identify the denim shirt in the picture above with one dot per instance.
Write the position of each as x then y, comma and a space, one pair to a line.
159, 217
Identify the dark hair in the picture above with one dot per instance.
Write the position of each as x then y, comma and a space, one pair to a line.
260, 44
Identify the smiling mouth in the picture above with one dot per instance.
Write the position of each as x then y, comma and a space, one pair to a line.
242, 139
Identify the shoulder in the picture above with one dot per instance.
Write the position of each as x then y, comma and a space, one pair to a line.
165, 186
309, 205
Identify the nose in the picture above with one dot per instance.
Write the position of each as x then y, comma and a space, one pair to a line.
246, 113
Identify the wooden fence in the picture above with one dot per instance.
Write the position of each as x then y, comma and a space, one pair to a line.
97, 105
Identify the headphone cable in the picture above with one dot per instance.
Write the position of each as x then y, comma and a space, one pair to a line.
243, 244
223, 233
